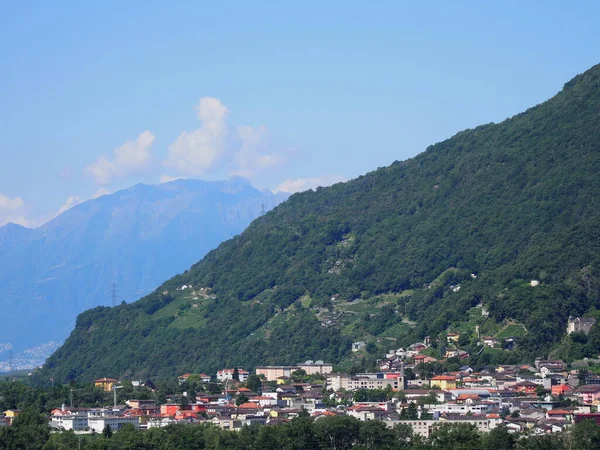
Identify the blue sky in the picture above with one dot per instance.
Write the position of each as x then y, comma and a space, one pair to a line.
98, 96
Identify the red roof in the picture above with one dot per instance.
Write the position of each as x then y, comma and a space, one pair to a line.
249, 405
326, 413
559, 412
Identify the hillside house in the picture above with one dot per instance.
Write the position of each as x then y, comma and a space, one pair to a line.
11, 414
105, 384
589, 393
358, 346
489, 341
580, 324
452, 338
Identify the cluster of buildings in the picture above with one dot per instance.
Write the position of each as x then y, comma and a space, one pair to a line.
541, 398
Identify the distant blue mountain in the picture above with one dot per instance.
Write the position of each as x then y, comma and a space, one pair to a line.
135, 238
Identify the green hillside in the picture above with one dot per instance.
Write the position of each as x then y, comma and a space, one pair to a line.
379, 257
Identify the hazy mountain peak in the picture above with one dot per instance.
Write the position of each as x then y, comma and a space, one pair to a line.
136, 238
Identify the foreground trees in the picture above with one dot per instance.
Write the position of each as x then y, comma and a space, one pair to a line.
30, 431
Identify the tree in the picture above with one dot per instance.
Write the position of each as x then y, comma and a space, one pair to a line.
107, 432
337, 433
548, 442
29, 430
500, 439
404, 434
299, 375
401, 396
540, 391
455, 435
426, 415
241, 399
301, 432
236, 374
375, 434
410, 413
253, 383
586, 435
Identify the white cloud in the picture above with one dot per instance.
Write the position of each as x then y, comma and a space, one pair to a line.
10, 204
220, 148
198, 151
131, 157
304, 184
253, 155
71, 201
13, 210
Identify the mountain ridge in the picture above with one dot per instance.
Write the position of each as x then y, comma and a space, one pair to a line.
489, 210
51, 273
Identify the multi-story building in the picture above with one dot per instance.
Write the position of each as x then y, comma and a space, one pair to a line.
75, 422
98, 424
380, 380
271, 373
227, 374
312, 368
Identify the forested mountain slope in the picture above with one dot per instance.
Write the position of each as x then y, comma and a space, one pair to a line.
489, 209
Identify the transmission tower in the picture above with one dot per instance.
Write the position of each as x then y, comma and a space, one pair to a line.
263, 209
113, 294
10, 361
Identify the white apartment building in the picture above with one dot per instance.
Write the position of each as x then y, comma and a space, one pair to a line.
98, 424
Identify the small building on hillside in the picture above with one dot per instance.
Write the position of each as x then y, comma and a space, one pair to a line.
452, 338
105, 383
580, 324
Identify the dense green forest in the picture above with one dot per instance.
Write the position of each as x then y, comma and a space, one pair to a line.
489, 210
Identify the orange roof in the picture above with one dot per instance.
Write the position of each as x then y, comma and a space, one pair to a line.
185, 375
249, 405
444, 378
493, 416
105, 380
243, 389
